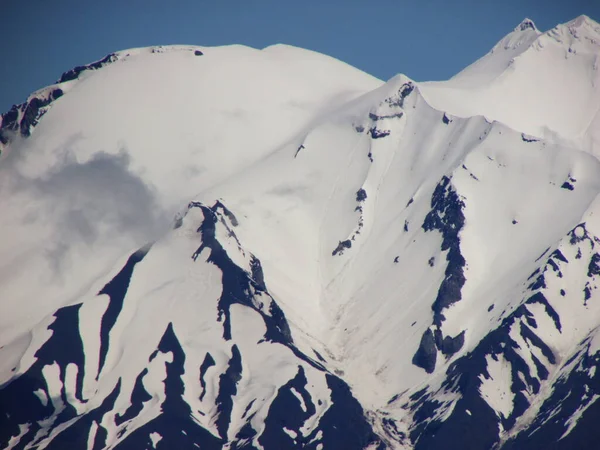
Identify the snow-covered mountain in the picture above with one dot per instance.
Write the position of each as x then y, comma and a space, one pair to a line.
269, 249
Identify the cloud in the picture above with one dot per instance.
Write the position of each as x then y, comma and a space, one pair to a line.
95, 203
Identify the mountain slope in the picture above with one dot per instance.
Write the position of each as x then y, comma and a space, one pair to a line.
159, 125
178, 383
359, 265
558, 103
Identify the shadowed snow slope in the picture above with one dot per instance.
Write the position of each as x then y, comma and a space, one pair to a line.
269, 249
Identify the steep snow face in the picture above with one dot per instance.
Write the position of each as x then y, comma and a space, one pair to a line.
507, 84
155, 126
199, 343
420, 200
490, 66
359, 265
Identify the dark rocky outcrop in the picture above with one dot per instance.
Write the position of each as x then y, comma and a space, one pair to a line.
446, 217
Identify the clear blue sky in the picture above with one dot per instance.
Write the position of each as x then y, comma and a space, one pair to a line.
425, 39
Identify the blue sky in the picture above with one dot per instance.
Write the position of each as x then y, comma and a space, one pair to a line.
425, 39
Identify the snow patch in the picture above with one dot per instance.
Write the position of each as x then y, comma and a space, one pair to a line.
496, 389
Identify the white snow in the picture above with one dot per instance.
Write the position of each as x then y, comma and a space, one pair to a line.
290, 433
285, 138
41, 394
563, 100
155, 438
92, 435
496, 390
14, 441
299, 397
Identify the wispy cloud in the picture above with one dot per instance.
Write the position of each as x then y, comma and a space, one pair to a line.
97, 201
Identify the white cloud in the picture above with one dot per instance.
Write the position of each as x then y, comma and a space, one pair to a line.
74, 207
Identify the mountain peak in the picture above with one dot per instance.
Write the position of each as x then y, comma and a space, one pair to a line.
581, 28
526, 24
583, 21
